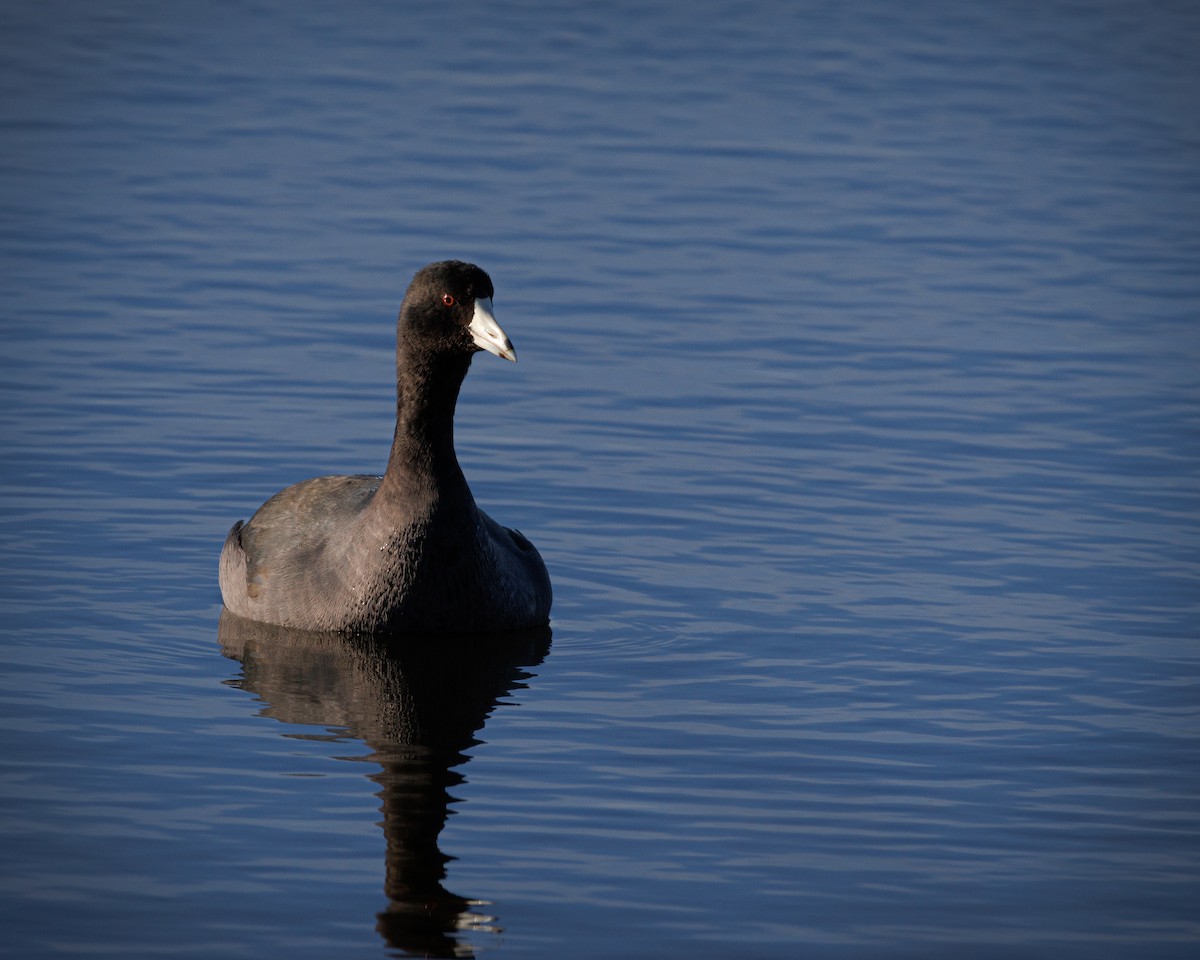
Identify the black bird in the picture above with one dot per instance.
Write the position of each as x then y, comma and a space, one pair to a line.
409, 551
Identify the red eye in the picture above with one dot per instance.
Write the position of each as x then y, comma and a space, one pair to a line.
447, 300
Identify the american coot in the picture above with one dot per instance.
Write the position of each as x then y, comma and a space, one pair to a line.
408, 551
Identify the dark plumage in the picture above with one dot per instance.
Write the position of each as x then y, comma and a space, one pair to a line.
408, 551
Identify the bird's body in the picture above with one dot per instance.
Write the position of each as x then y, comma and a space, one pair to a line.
409, 551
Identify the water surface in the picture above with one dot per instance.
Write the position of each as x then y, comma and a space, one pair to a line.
856, 420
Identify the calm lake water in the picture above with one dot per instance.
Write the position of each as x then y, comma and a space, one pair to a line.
857, 420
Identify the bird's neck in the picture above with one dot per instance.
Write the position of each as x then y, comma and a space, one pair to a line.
422, 460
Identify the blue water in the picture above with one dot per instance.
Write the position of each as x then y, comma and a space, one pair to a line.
856, 419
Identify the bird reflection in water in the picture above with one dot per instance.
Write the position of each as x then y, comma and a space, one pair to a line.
417, 703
